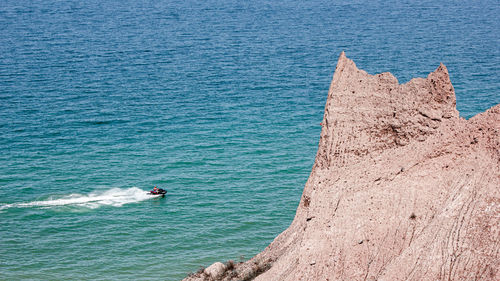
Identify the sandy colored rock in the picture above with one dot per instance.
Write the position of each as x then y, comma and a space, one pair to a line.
215, 270
401, 188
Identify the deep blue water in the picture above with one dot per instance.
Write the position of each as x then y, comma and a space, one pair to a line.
217, 101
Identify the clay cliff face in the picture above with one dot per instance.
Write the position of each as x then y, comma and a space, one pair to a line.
401, 189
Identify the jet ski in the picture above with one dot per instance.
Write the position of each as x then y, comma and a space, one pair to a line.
159, 193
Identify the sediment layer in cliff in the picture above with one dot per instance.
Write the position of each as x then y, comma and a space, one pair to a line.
402, 188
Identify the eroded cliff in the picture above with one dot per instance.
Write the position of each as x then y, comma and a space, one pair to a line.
402, 188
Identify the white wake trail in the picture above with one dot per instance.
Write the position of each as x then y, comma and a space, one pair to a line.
112, 197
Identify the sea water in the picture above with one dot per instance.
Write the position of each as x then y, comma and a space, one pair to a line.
219, 102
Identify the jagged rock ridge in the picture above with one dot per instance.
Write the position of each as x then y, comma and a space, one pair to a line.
402, 188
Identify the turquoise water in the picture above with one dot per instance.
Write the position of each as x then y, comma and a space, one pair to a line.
217, 101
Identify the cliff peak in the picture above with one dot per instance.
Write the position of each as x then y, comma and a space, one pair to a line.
366, 114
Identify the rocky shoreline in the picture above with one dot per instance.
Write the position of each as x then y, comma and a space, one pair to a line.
402, 188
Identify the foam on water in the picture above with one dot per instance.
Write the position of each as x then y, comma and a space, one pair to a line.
112, 197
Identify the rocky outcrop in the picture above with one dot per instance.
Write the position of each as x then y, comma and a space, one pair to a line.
402, 188
215, 271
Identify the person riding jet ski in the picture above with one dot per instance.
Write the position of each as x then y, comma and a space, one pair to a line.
155, 190
158, 191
